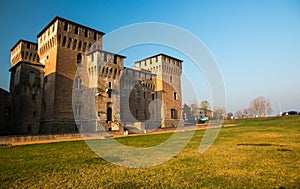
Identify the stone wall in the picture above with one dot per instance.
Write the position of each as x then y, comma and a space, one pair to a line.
27, 138
5, 112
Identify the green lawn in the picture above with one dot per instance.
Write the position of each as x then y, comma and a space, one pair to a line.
258, 153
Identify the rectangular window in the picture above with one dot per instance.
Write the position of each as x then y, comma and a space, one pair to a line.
69, 43
105, 57
109, 93
95, 36
86, 32
153, 96
156, 59
33, 97
66, 26
64, 41
123, 93
171, 79
31, 76
84, 46
76, 30
74, 44
173, 114
79, 45
28, 45
175, 96
77, 110
78, 83
138, 95
59, 38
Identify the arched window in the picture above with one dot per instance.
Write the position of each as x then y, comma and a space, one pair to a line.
115, 74
78, 83
106, 72
77, 109
92, 57
74, 44
110, 73
64, 41
76, 29
84, 47
66, 26
86, 32
79, 58
69, 43
102, 74
59, 36
79, 45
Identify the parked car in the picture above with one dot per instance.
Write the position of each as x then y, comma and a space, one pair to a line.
203, 120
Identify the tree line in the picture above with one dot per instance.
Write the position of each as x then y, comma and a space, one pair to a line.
259, 107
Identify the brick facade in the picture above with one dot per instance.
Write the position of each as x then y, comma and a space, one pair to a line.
52, 81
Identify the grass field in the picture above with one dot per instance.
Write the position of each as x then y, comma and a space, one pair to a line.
258, 153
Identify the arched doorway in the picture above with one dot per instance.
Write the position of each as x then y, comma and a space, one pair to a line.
109, 114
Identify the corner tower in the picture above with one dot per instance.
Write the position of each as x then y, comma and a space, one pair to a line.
26, 85
61, 47
168, 86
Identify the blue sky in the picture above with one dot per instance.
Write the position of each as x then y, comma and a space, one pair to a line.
255, 43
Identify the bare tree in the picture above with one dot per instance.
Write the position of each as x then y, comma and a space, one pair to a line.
246, 113
238, 114
260, 107
219, 113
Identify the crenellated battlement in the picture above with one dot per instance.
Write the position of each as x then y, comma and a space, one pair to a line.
24, 51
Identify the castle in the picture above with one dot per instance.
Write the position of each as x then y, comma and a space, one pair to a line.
67, 79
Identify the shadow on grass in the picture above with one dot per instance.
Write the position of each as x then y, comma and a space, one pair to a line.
259, 144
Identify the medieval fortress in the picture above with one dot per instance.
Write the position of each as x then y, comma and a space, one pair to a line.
67, 83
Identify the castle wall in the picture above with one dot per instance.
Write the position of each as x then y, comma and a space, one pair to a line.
43, 77
26, 98
5, 112
168, 86
63, 45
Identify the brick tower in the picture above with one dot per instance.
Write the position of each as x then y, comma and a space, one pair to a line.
61, 47
168, 86
26, 85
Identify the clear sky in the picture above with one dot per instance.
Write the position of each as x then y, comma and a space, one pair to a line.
256, 43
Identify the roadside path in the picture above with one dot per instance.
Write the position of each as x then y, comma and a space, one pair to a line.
158, 131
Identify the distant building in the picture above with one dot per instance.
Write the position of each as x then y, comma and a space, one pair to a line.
194, 112
5, 112
44, 78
